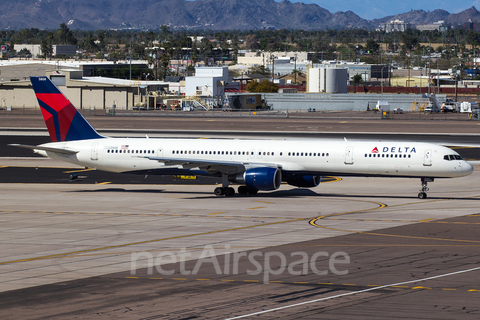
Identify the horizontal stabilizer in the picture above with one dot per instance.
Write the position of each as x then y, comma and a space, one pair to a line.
56, 150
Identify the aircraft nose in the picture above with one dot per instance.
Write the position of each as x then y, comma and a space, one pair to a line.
467, 168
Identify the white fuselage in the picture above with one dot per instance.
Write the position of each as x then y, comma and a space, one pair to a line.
316, 157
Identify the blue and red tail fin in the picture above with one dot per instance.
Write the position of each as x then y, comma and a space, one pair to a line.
63, 121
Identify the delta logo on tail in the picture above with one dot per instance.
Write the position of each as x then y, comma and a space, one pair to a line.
63, 121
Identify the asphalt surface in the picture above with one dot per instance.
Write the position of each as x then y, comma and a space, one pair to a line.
409, 253
345, 122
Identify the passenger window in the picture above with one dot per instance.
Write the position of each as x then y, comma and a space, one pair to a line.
370, 155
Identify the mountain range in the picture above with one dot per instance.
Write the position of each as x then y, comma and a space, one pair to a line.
200, 14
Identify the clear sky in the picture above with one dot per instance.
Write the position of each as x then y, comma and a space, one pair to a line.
374, 9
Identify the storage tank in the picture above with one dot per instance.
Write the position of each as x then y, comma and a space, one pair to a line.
327, 80
335, 80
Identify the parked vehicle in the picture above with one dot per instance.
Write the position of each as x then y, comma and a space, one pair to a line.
398, 110
449, 106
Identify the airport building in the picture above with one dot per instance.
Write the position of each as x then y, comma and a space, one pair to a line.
208, 81
36, 51
88, 93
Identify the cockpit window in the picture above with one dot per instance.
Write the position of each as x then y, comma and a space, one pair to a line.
450, 157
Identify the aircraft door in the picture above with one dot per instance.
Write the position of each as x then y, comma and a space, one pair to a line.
349, 155
94, 153
427, 157
159, 152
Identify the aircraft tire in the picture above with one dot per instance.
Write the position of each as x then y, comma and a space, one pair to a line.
229, 192
422, 195
219, 191
242, 190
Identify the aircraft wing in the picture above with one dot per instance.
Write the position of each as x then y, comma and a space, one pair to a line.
223, 166
48, 149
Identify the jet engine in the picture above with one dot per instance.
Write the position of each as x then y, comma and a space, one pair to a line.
304, 181
262, 178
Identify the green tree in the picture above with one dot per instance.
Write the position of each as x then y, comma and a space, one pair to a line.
357, 79
47, 48
263, 86
25, 53
372, 46
165, 62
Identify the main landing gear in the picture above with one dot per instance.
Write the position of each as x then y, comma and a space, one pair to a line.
221, 191
224, 190
227, 191
423, 191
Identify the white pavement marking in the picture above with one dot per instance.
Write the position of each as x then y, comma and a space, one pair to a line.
352, 293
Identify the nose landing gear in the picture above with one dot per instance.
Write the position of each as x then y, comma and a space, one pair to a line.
423, 191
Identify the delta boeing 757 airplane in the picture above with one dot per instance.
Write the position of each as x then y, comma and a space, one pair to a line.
257, 165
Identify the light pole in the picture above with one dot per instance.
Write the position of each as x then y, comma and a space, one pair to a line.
130, 59
273, 67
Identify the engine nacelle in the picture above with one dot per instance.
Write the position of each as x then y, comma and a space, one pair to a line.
304, 181
262, 178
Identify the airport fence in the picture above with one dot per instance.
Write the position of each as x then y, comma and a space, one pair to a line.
296, 113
